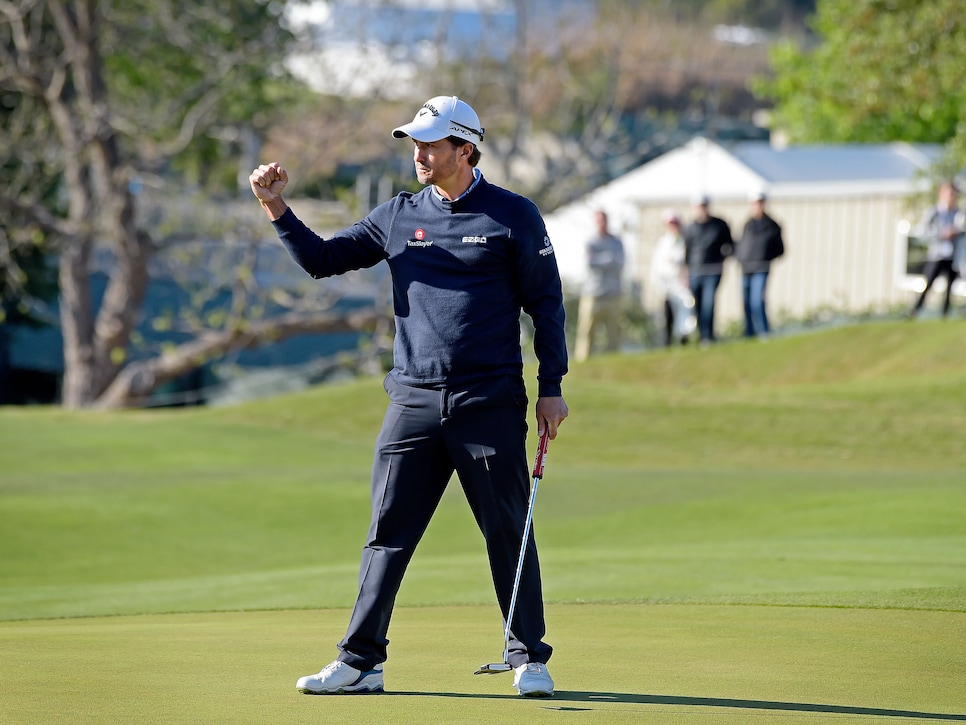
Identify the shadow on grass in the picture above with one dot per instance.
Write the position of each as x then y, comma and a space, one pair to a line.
572, 696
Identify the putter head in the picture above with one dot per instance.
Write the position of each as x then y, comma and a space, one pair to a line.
494, 668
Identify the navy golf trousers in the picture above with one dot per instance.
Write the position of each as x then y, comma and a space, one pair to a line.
480, 433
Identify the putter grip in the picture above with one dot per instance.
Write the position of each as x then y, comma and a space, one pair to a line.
541, 453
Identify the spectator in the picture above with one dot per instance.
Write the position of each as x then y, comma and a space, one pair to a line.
600, 299
669, 278
707, 243
942, 228
760, 244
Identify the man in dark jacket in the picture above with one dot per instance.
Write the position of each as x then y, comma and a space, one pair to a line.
707, 243
466, 257
760, 244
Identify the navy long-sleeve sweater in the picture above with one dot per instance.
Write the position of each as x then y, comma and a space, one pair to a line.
461, 271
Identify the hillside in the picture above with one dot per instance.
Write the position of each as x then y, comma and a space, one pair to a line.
823, 469
867, 352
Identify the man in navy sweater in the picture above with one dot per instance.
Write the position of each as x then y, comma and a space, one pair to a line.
466, 257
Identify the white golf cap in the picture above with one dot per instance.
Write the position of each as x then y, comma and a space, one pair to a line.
441, 117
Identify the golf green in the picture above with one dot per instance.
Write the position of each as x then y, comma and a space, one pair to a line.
616, 663
751, 533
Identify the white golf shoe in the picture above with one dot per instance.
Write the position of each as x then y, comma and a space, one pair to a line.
338, 678
533, 680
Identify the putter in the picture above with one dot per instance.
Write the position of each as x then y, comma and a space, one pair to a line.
494, 668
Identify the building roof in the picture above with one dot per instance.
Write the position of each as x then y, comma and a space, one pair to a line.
857, 163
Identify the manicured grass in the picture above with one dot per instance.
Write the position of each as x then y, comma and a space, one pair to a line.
752, 532
614, 664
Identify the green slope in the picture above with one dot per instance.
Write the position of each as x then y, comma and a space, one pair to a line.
752, 533
822, 469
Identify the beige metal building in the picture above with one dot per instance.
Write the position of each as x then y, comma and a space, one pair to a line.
844, 211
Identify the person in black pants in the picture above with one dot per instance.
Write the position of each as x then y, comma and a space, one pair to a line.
707, 243
942, 228
760, 244
466, 257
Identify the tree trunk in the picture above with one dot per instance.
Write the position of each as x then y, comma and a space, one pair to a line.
76, 322
100, 207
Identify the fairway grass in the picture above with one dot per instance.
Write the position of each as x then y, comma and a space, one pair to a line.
752, 533
661, 664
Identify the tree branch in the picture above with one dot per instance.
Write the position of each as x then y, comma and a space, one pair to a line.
139, 379
38, 213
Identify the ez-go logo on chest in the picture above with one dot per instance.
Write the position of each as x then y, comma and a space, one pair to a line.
419, 239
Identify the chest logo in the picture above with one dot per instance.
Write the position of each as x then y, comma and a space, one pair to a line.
419, 239
474, 240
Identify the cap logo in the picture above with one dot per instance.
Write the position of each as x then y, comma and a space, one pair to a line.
428, 107
464, 130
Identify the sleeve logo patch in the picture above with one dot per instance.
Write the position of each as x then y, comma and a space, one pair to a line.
547, 248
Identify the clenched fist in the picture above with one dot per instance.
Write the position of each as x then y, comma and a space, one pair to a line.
267, 181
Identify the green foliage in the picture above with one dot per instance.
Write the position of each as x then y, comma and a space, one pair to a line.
171, 67
880, 70
25, 172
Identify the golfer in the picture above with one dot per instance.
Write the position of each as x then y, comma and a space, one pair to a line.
466, 257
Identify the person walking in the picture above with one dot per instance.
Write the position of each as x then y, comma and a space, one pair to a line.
942, 227
465, 258
760, 244
707, 243
600, 300
669, 279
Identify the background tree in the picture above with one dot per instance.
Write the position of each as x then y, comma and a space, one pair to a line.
877, 71
126, 96
637, 80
